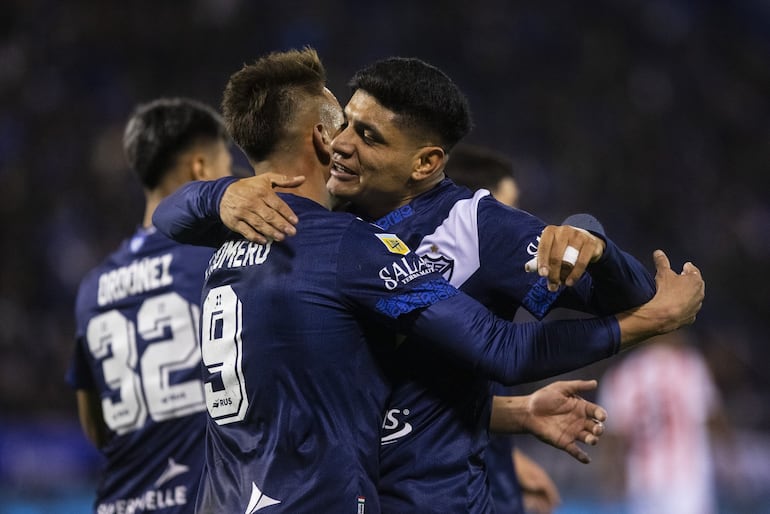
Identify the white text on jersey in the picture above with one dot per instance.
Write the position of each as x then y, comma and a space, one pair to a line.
404, 271
235, 254
136, 278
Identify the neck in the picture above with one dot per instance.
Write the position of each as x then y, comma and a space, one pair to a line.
376, 208
152, 197
150, 204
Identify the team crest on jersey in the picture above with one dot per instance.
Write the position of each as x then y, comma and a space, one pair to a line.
393, 243
441, 264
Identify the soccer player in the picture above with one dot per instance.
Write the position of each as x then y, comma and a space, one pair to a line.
291, 331
517, 483
136, 364
402, 121
477, 167
667, 458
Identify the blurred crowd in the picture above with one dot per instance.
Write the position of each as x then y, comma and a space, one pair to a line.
654, 115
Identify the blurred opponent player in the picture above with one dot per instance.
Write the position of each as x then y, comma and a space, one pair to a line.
136, 364
666, 455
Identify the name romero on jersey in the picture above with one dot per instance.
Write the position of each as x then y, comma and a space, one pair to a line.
234, 254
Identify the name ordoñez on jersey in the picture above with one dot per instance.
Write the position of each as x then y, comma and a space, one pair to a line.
138, 277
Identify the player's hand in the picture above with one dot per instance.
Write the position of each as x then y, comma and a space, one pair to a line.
557, 415
677, 301
679, 295
564, 252
539, 493
251, 208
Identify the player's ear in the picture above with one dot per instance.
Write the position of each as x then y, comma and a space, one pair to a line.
198, 166
322, 144
428, 162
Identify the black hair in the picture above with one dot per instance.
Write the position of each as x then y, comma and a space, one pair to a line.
476, 167
159, 130
420, 94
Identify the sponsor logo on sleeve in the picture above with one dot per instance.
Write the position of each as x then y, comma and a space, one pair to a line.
403, 271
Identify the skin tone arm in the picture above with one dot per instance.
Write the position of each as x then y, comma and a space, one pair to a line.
91, 419
678, 300
555, 414
539, 493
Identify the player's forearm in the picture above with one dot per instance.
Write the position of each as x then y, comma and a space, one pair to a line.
645, 322
620, 282
513, 353
191, 214
509, 414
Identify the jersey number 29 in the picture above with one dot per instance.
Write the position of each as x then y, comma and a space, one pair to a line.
222, 353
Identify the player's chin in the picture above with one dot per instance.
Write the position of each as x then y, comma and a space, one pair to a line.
344, 188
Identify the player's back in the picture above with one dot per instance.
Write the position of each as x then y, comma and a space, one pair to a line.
137, 346
295, 393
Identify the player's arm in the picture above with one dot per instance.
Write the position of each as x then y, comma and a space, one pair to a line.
204, 212
512, 353
384, 280
91, 418
540, 494
556, 414
507, 240
616, 281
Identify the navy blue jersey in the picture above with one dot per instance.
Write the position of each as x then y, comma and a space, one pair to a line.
137, 318
294, 390
294, 336
502, 474
435, 431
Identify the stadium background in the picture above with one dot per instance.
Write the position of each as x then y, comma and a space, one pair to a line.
654, 115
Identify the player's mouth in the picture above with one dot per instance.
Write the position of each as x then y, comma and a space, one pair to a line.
341, 172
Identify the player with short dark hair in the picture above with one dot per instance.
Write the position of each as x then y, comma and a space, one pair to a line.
471, 239
515, 480
136, 364
292, 330
477, 167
